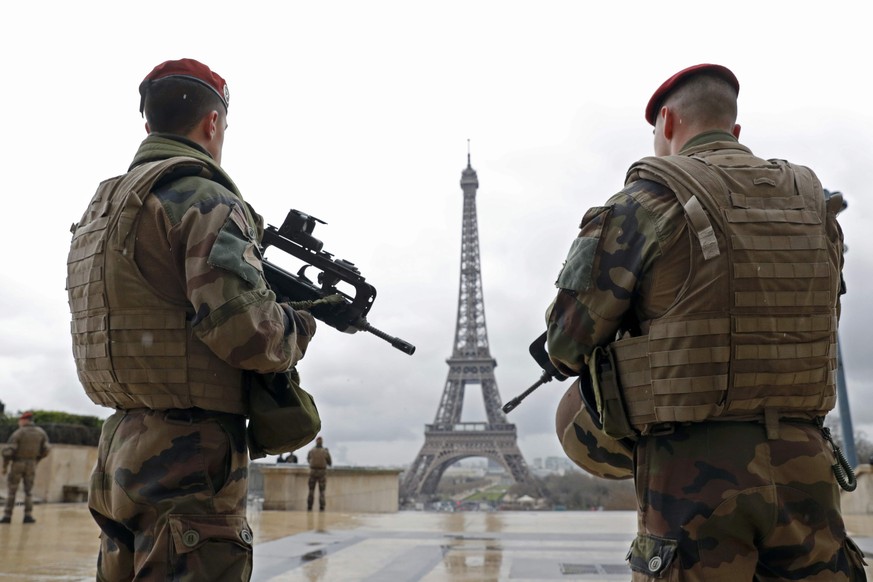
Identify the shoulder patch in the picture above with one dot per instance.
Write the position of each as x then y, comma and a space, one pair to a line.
576, 274
235, 249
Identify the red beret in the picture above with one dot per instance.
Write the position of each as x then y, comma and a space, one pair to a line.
188, 69
26, 415
676, 80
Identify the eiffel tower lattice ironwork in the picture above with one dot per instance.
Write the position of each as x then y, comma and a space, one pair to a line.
449, 440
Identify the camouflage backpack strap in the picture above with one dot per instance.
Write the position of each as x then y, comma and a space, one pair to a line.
686, 176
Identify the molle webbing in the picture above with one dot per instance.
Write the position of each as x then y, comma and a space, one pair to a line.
763, 334
30, 442
133, 348
318, 458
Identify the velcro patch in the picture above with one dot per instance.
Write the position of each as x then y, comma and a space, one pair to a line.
577, 272
235, 250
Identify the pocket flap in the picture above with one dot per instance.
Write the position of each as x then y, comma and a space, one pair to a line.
189, 532
651, 555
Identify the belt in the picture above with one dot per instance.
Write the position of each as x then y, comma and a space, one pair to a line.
667, 428
190, 415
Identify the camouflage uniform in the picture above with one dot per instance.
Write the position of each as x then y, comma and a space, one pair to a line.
169, 494
319, 460
169, 490
27, 446
717, 500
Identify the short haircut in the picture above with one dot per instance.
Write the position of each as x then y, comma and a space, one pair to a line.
175, 104
705, 98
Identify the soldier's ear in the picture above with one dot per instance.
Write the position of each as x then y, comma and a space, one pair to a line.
667, 113
211, 124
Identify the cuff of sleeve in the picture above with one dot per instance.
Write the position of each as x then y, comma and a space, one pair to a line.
300, 322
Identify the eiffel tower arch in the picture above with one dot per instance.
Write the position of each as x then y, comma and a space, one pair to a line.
448, 440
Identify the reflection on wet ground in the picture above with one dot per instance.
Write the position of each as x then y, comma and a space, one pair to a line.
396, 547
61, 545
461, 547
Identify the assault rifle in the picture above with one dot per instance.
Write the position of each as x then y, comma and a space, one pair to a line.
537, 349
330, 304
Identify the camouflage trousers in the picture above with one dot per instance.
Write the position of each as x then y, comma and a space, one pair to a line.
169, 494
718, 501
20, 471
317, 477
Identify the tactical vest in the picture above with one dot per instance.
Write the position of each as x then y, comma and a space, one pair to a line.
752, 333
31, 441
318, 458
132, 347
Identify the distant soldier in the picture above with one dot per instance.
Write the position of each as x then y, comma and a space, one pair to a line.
319, 460
27, 446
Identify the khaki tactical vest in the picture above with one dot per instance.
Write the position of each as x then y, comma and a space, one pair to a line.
752, 334
319, 458
31, 443
132, 347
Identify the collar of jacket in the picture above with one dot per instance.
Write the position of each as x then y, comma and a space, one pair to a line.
712, 140
162, 146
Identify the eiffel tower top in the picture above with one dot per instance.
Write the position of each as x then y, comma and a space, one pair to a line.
471, 335
469, 177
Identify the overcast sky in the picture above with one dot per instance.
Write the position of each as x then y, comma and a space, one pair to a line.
359, 113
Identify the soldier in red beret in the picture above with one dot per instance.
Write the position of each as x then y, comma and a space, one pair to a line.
702, 303
171, 314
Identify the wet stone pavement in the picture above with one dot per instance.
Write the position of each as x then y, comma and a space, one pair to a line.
396, 547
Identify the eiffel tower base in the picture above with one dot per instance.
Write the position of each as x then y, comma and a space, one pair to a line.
445, 447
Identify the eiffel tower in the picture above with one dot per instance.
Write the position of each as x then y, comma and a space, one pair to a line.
449, 440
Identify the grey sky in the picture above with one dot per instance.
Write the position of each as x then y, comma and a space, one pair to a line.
358, 113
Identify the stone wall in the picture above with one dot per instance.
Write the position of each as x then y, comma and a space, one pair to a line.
349, 489
66, 466
859, 501
285, 487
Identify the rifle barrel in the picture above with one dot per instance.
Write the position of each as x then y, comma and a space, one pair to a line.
402, 345
512, 404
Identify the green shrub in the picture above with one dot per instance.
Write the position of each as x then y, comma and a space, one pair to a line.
61, 427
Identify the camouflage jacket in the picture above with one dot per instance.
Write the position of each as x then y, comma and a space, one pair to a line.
624, 268
185, 297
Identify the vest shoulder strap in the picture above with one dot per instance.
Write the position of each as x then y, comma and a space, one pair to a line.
809, 188
137, 183
685, 176
164, 170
